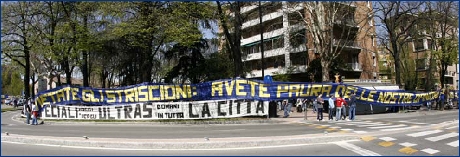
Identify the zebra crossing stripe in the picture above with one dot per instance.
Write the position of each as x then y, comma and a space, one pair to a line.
360, 132
357, 149
407, 144
424, 133
403, 121
453, 144
396, 129
391, 126
430, 151
387, 139
445, 136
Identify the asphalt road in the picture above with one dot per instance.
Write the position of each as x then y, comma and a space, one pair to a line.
393, 133
294, 150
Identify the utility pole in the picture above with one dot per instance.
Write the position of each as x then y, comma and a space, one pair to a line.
261, 38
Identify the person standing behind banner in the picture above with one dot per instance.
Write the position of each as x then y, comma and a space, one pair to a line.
27, 112
339, 103
34, 114
320, 107
352, 113
331, 107
286, 111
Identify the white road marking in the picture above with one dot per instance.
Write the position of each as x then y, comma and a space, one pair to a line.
211, 149
445, 136
430, 151
370, 125
453, 144
396, 129
391, 126
424, 133
360, 132
409, 122
452, 127
231, 130
335, 127
346, 129
357, 149
407, 144
387, 138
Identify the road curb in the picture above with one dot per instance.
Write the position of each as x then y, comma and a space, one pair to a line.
217, 143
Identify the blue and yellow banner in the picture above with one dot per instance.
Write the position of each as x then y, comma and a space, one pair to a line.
224, 89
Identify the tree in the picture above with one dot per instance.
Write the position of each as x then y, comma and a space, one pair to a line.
321, 19
441, 23
18, 22
11, 80
396, 19
233, 34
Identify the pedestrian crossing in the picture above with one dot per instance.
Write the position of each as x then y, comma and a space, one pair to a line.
360, 125
423, 139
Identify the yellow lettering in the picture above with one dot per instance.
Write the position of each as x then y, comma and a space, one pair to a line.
294, 88
304, 93
60, 95
183, 92
229, 87
281, 88
253, 87
239, 87
143, 95
263, 91
315, 90
87, 95
102, 96
371, 96
129, 95
110, 96
151, 97
217, 87
326, 90
75, 94
120, 98
166, 89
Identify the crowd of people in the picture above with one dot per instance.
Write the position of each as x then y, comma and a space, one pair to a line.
336, 106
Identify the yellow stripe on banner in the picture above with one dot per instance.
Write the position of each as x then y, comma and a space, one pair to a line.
386, 144
367, 138
408, 150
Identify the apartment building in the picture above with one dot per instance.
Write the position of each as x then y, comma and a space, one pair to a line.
287, 43
421, 47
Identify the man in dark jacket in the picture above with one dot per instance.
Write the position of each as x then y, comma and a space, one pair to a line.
27, 111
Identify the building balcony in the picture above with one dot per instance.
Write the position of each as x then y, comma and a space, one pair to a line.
346, 22
267, 35
346, 43
272, 71
450, 74
265, 17
355, 66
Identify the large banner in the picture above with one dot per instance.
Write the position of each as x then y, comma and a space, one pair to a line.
160, 110
224, 89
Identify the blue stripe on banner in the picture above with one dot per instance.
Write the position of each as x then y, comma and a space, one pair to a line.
226, 89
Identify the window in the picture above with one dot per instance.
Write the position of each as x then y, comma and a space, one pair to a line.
418, 45
298, 38
296, 18
298, 58
420, 64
